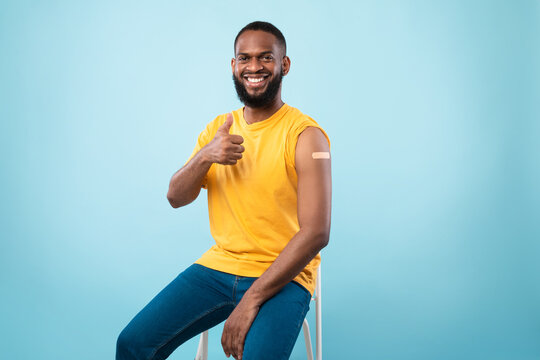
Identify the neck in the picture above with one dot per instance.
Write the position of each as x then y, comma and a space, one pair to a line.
253, 115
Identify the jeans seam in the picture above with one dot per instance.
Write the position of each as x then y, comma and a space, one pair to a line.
188, 325
234, 289
212, 273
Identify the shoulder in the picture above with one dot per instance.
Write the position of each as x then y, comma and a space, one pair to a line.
311, 140
295, 117
313, 134
303, 125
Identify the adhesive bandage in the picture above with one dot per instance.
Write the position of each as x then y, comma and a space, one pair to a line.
321, 155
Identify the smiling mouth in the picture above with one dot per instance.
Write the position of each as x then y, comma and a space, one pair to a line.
256, 80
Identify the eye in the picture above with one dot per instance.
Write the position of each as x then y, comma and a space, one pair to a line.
267, 58
242, 58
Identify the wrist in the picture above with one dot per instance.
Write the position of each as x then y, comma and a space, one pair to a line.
205, 157
254, 298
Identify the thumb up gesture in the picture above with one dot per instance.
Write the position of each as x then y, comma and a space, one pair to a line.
225, 148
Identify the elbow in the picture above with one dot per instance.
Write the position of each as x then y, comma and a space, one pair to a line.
174, 202
324, 239
321, 237
177, 202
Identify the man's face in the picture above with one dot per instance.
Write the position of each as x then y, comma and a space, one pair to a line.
258, 68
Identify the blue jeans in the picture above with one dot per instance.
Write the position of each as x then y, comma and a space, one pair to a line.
200, 298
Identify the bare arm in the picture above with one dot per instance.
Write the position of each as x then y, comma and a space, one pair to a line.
186, 183
224, 148
314, 204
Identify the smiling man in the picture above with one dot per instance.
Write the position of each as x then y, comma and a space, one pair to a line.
266, 167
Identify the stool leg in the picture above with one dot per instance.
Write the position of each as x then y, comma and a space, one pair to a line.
202, 351
318, 318
307, 340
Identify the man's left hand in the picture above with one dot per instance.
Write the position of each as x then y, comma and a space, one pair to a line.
237, 326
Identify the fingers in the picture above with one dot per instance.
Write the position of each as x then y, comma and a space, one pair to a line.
226, 147
235, 156
237, 346
226, 126
232, 345
239, 350
225, 343
236, 139
232, 155
231, 160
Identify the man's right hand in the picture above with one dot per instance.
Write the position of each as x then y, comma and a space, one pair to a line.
225, 148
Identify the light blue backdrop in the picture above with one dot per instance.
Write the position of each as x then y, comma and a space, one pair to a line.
433, 111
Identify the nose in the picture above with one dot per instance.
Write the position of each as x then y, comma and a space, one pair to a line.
254, 64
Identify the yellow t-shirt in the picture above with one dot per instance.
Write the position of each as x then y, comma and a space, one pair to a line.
252, 205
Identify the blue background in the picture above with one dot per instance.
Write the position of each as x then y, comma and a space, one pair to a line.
433, 112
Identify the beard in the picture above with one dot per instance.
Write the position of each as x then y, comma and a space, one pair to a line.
258, 101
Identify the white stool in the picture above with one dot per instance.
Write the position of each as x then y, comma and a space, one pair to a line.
202, 351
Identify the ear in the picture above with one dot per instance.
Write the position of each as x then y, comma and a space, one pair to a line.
285, 65
233, 64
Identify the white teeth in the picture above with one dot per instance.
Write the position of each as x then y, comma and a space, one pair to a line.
255, 80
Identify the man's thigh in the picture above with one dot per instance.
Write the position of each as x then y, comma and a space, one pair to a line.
198, 299
277, 325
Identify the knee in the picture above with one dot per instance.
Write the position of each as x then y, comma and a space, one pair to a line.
127, 346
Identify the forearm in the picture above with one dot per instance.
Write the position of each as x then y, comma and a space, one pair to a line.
185, 184
300, 250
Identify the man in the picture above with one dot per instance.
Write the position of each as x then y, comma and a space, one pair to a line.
266, 167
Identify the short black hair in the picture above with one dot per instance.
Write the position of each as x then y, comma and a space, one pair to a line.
266, 27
